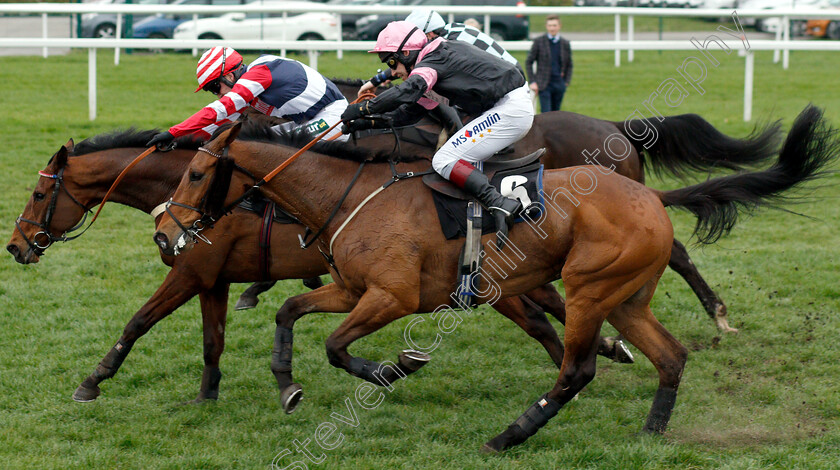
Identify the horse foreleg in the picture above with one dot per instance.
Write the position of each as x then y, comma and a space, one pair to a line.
329, 298
533, 321
375, 309
715, 308
549, 300
249, 298
169, 296
214, 317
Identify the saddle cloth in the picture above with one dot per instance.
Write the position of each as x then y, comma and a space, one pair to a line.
523, 183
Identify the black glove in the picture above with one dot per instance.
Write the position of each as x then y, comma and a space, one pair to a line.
161, 140
355, 111
357, 125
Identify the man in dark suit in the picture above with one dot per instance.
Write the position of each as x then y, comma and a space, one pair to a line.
553, 55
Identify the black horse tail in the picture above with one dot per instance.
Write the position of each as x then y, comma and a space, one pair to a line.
687, 142
810, 145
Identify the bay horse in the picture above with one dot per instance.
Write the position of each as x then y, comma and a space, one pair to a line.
84, 173
668, 144
609, 240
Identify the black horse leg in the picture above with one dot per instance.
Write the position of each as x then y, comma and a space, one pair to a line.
326, 299
715, 308
549, 300
214, 318
533, 321
170, 295
249, 298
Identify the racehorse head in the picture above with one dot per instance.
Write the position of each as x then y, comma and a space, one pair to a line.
200, 198
51, 212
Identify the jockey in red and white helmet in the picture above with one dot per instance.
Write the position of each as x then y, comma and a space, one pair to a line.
272, 85
458, 74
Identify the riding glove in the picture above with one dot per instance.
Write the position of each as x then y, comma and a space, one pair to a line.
355, 111
161, 140
357, 125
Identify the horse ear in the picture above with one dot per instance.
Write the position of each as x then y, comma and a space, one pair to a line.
232, 133
60, 158
69, 145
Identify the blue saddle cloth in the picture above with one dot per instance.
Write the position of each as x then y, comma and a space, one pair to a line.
452, 212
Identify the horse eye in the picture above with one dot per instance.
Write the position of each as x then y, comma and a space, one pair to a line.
38, 196
195, 176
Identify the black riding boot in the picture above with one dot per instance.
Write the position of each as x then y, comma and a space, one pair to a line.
503, 209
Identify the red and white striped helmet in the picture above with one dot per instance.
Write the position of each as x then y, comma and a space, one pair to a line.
214, 62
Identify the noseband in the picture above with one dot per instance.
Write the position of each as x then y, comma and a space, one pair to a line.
37, 245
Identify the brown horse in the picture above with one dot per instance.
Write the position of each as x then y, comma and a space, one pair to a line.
84, 173
608, 237
672, 144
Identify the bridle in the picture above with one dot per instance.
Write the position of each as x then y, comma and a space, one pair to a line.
36, 243
205, 220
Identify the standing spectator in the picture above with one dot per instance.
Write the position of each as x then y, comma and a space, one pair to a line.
473, 23
553, 55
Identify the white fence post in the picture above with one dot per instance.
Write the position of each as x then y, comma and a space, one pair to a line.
313, 59
92, 83
45, 52
617, 38
748, 85
786, 52
117, 36
340, 52
630, 28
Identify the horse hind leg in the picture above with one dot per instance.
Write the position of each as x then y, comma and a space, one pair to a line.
550, 301
715, 308
578, 369
533, 321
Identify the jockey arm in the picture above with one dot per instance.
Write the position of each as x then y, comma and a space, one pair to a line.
228, 107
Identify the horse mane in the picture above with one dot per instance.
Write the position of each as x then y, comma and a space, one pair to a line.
356, 82
131, 137
260, 132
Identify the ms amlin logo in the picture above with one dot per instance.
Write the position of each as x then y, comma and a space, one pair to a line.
477, 131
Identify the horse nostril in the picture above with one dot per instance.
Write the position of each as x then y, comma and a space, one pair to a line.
13, 249
161, 240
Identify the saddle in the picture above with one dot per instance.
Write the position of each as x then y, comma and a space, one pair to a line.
492, 166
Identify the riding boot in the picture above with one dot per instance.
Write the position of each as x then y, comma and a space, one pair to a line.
503, 209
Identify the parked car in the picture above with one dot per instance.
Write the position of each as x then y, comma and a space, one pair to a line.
509, 28
348, 21
297, 26
104, 25
161, 26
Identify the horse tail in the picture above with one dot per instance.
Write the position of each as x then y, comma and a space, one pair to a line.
687, 142
810, 145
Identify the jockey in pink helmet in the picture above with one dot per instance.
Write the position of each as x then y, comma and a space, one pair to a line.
458, 74
273, 85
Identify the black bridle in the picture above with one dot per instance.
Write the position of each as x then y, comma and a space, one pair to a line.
36, 243
206, 220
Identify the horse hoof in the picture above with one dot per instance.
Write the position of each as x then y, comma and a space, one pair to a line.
246, 302
290, 397
414, 360
85, 395
486, 449
622, 353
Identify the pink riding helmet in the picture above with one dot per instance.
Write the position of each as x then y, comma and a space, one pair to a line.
396, 33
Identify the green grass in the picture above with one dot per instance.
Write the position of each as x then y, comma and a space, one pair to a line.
764, 398
606, 24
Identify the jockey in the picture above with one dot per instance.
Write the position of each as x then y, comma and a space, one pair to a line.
462, 75
274, 86
431, 23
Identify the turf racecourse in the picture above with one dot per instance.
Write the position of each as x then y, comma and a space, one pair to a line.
764, 398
